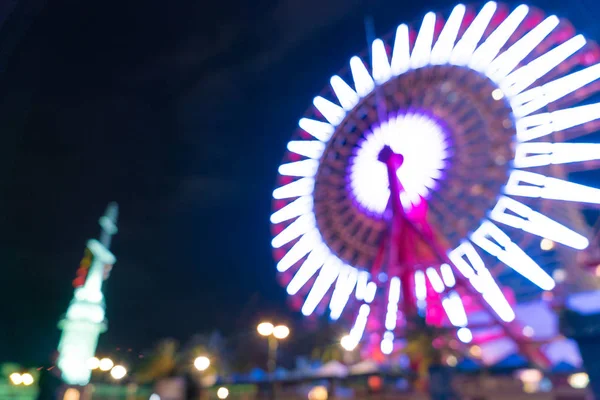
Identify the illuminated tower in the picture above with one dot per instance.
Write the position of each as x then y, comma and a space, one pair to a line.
84, 320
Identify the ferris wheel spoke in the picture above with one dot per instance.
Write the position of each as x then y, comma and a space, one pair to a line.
465, 47
304, 168
301, 187
382, 71
490, 48
307, 148
440, 54
347, 97
455, 310
507, 61
401, 52
531, 100
363, 82
422, 50
327, 276
540, 125
300, 206
525, 76
319, 130
297, 228
513, 213
530, 184
494, 241
309, 267
332, 112
543, 153
299, 250
346, 282
471, 266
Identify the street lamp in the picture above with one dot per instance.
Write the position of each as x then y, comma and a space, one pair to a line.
202, 363
118, 372
27, 379
16, 378
273, 334
106, 364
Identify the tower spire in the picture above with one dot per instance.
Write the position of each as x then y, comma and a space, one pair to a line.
84, 320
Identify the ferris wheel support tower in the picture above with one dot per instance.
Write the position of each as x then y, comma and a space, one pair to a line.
84, 320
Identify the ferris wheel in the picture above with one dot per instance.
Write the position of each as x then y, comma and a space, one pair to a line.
438, 176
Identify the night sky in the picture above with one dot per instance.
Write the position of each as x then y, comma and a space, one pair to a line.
180, 113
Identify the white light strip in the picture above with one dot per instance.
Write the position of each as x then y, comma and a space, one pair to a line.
382, 72
299, 227
538, 97
440, 54
332, 112
328, 274
309, 267
463, 51
304, 168
455, 310
420, 285
300, 206
343, 289
362, 79
347, 97
522, 78
371, 291
306, 243
307, 148
491, 239
530, 184
539, 125
357, 331
422, 50
507, 61
361, 285
301, 187
470, 264
485, 53
319, 130
513, 213
392, 307
435, 280
448, 275
544, 153
401, 52
387, 343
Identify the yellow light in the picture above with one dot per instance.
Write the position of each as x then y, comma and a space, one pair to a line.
347, 343
475, 351
265, 328
222, 393
579, 380
530, 387
281, 331
118, 372
451, 361
106, 364
497, 94
546, 244
93, 363
598, 270
202, 363
16, 378
532, 376
318, 393
27, 379
71, 394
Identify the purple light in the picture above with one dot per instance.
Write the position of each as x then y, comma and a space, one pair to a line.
422, 142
